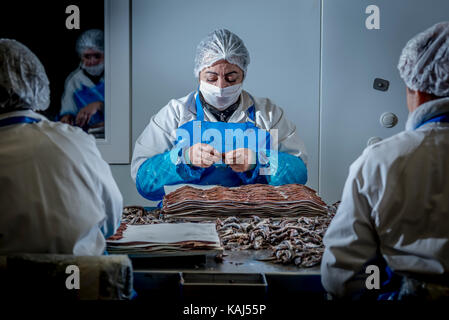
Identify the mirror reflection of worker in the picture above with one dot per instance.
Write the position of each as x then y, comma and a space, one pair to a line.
218, 105
83, 99
57, 193
395, 205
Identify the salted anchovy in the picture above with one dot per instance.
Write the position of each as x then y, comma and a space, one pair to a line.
297, 240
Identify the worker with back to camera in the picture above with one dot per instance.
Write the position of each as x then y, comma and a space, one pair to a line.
83, 98
395, 205
186, 142
57, 193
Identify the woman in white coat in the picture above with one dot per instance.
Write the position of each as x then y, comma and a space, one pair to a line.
82, 103
57, 193
187, 140
394, 210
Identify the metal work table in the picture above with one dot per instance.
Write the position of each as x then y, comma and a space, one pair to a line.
240, 273
242, 261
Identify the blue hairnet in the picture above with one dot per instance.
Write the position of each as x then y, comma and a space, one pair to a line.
218, 45
91, 39
424, 62
23, 81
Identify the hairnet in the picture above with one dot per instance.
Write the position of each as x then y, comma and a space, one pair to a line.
218, 45
424, 62
23, 82
91, 39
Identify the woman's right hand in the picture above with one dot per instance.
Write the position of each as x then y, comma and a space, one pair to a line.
203, 155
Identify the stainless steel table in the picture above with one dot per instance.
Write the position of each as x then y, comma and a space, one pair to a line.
241, 273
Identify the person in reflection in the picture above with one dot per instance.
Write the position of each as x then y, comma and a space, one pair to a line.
390, 236
218, 134
57, 193
83, 98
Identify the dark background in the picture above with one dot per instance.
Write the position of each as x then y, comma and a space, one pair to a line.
40, 25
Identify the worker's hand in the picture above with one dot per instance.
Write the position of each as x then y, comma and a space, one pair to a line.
241, 160
68, 118
203, 155
84, 115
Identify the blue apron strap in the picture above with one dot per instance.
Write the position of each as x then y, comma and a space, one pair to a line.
199, 108
252, 110
251, 113
441, 118
15, 120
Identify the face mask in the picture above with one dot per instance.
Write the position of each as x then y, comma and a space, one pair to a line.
94, 70
220, 98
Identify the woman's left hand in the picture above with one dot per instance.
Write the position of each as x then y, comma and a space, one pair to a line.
241, 160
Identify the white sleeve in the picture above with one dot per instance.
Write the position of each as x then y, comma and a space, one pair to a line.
107, 190
113, 203
350, 241
158, 137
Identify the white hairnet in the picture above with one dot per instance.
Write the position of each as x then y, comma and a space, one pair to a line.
23, 81
424, 62
218, 45
91, 39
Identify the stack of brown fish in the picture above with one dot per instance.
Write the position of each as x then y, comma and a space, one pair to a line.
263, 200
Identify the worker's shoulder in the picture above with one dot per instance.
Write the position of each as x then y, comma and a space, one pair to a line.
267, 108
76, 79
70, 146
395, 148
264, 103
75, 76
58, 131
184, 102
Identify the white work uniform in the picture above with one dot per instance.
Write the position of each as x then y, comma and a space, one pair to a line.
57, 193
396, 199
74, 82
160, 134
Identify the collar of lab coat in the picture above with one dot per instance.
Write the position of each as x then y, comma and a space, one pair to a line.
22, 113
427, 111
238, 115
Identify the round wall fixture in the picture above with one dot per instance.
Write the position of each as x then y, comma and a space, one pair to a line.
388, 120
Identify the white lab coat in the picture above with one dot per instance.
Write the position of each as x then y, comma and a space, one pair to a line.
160, 134
396, 198
74, 82
57, 193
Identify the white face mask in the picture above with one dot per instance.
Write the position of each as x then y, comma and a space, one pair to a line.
94, 70
220, 98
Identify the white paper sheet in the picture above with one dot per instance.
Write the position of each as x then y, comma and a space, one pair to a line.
166, 233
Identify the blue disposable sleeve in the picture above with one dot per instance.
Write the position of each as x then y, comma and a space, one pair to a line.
164, 169
288, 169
